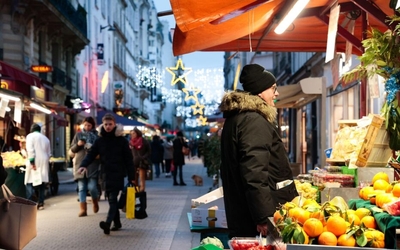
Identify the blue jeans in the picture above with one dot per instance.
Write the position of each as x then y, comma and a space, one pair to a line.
113, 212
83, 186
157, 169
30, 190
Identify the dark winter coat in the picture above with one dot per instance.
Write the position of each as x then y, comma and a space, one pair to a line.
179, 157
254, 160
157, 151
115, 157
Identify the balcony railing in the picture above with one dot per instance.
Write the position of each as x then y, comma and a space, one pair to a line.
59, 77
76, 17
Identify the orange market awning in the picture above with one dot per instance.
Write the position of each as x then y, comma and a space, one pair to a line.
244, 25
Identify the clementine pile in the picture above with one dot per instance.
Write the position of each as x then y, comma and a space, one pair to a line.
336, 225
345, 240
313, 227
369, 221
396, 190
327, 239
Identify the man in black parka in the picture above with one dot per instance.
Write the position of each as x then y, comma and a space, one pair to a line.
116, 163
255, 171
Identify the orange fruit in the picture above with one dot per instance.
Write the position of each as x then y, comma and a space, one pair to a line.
318, 215
361, 212
389, 188
278, 216
336, 225
396, 190
327, 239
369, 221
343, 240
313, 227
381, 184
380, 176
303, 216
364, 192
353, 218
375, 238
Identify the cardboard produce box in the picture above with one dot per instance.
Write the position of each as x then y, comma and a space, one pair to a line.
203, 216
211, 196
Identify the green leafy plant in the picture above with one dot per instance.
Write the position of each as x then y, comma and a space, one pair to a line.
382, 57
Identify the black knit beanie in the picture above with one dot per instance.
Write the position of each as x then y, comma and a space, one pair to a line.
35, 128
255, 79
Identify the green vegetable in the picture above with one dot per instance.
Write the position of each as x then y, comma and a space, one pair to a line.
212, 240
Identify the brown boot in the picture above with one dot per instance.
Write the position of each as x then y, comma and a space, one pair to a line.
83, 209
95, 205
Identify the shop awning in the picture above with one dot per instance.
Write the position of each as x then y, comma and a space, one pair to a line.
8, 71
300, 94
248, 25
119, 119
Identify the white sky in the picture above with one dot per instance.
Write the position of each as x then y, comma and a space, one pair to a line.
195, 60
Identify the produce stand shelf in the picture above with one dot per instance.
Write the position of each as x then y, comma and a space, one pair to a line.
386, 222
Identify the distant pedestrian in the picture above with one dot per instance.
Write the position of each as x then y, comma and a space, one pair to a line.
157, 154
168, 155
37, 167
116, 163
141, 152
179, 158
88, 181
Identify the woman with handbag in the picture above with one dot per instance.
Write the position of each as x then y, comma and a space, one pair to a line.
87, 181
179, 158
141, 152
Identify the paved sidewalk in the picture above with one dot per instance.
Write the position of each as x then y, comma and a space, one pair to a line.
167, 227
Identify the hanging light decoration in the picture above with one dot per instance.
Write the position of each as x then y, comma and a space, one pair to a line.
171, 95
149, 77
179, 72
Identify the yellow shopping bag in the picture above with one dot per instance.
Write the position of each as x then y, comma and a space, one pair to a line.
130, 202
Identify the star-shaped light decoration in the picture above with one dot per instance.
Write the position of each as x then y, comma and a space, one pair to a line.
202, 120
197, 108
191, 93
181, 78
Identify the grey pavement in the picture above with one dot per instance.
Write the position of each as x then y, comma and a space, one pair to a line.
166, 227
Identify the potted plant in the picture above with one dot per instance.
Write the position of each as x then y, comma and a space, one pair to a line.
382, 57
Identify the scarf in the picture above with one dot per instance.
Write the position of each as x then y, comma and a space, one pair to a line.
137, 143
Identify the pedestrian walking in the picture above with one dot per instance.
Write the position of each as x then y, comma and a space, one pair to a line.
157, 154
37, 166
116, 163
179, 158
88, 181
168, 156
141, 152
255, 171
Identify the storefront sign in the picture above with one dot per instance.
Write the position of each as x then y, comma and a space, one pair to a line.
41, 68
4, 85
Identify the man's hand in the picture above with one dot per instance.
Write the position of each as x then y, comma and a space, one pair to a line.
33, 166
262, 229
81, 170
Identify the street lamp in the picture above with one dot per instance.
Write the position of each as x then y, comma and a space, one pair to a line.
110, 28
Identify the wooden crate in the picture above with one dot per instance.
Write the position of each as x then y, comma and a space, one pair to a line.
374, 151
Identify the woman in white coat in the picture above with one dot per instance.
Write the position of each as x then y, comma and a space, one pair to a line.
37, 167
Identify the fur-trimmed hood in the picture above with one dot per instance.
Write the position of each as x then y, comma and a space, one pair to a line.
239, 101
119, 130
